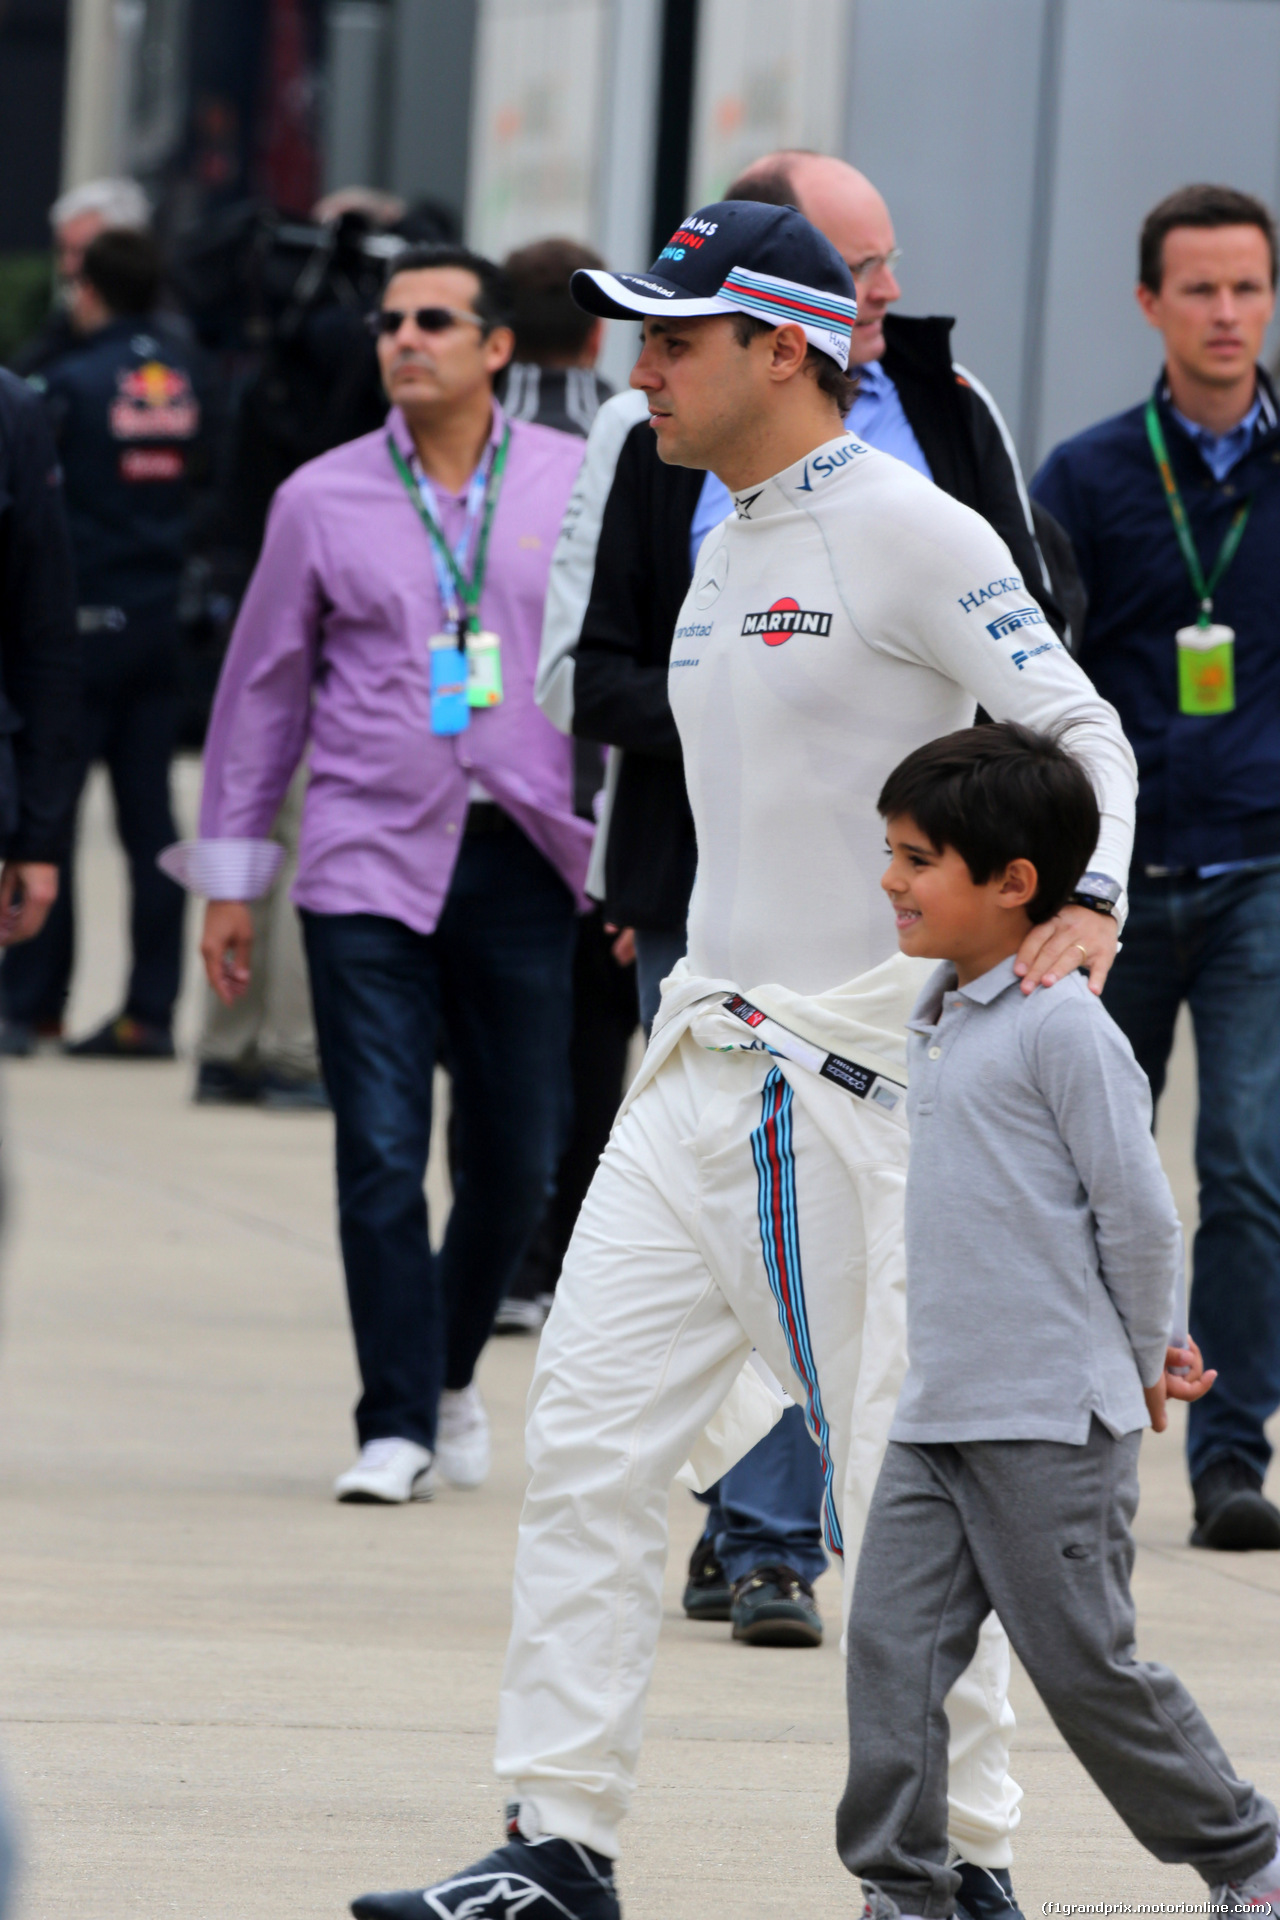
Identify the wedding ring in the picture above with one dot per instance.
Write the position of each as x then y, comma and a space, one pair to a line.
1083, 950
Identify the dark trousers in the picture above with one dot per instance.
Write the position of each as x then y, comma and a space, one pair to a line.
767, 1511
1039, 1533
604, 1019
131, 716
656, 954
496, 973
1216, 945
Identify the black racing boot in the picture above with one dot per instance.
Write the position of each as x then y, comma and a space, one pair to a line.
986, 1893
546, 1879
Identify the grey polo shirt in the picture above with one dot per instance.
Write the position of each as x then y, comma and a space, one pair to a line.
1044, 1253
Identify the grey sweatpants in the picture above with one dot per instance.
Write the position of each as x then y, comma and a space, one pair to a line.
1039, 1532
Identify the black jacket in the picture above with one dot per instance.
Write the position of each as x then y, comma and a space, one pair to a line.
971, 457
127, 411
39, 650
620, 682
642, 574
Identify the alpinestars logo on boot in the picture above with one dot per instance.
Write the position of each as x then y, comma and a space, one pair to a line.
784, 618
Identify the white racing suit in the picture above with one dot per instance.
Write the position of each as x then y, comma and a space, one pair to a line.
742, 1201
849, 612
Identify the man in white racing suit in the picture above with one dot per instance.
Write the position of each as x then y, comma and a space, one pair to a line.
751, 1194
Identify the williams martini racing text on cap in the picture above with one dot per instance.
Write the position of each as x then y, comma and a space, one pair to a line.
737, 256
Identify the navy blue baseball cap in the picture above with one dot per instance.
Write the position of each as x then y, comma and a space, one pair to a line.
737, 256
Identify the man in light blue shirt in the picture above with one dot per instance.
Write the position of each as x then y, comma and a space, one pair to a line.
1222, 451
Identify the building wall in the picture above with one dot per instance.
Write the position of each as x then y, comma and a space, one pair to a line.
537, 120
33, 38
1019, 144
767, 76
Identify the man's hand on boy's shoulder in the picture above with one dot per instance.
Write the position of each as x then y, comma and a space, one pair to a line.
1075, 937
1184, 1378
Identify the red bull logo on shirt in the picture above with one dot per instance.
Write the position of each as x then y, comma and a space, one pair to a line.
154, 402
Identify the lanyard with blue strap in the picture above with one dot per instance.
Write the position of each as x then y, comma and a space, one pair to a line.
466, 664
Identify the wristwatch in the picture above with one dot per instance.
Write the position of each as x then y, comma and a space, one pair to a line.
1099, 892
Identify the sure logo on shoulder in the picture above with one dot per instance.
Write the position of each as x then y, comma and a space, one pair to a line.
823, 465
1012, 621
784, 618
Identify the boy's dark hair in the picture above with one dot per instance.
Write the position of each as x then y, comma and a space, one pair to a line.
549, 323
1199, 206
124, 268
998, 793
495, 300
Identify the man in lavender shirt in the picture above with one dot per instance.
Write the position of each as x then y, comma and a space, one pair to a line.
441, 862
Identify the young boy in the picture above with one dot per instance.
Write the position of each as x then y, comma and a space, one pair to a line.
1044, 1261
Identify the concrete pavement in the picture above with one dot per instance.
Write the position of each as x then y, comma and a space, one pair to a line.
223, 1695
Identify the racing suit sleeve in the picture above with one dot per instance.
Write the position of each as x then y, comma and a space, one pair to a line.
573, 562
949, 596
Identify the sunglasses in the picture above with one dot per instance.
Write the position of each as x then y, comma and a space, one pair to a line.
389, 320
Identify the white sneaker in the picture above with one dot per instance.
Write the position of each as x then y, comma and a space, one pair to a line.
462, 1437
1259, 1894
388, 1472
519, 1315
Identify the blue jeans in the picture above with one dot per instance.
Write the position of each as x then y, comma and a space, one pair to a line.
1216, 945
656, 954
766, 1510
496, 973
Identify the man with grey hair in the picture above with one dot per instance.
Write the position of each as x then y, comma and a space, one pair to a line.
76, 218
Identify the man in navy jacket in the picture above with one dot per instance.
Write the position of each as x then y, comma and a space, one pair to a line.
126, 415
1174, 510
39, 667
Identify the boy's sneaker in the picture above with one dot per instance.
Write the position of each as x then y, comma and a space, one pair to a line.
707, 1594
775, 1607
387, 1474
462, 1437
544, 1879
985, 1893
1260, 1893
1231, 1512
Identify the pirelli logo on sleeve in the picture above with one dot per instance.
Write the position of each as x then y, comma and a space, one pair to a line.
784, 618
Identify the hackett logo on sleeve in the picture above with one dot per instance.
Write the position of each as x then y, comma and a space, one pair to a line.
784, 618
992, 591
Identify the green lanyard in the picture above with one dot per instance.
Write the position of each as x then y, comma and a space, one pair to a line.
1204, 589
467, 590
